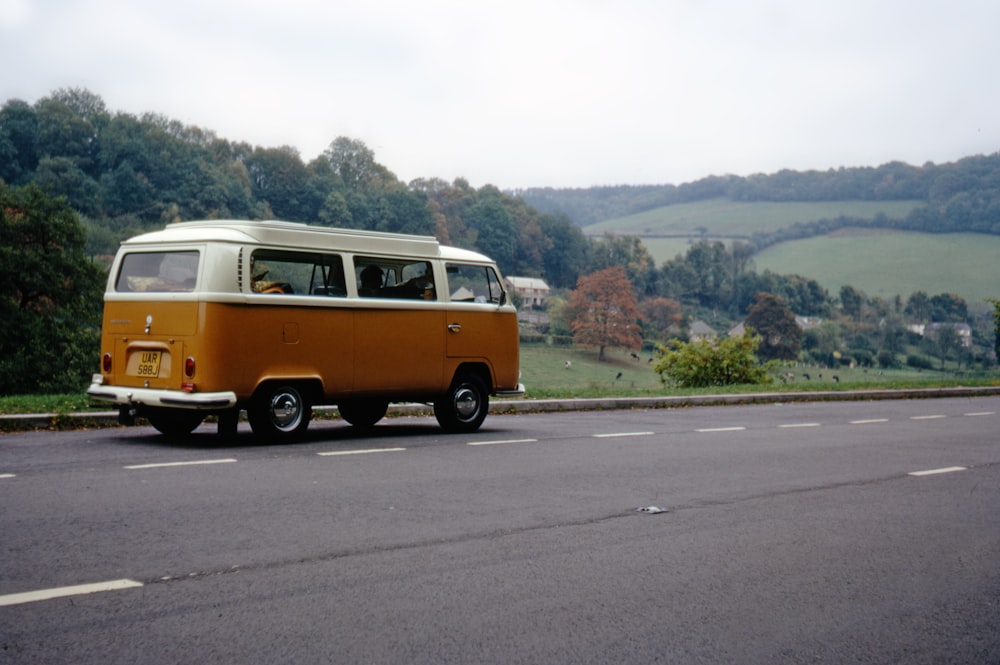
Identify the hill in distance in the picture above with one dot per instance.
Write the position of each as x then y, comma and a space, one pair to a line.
881, 262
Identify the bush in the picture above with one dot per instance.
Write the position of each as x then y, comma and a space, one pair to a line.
886, 359
706, 363
862, 357
919, 362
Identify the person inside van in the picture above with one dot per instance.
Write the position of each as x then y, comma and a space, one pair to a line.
371, 281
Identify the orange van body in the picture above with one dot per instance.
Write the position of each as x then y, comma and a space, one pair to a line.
211, 318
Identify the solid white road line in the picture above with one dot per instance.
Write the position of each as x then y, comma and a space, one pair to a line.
869, 422
614, 435
794, 425
169, 464
497, 443
721, 429
62, 592
339, 453
932, 472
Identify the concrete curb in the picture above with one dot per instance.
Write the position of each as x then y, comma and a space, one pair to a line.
99, 419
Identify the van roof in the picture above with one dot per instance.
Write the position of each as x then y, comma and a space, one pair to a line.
304, 236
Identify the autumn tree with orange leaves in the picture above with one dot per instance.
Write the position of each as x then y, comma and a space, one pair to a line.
603, 311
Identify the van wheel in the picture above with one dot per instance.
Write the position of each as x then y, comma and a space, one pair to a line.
279, 410
463, 408
174, 422
363, 412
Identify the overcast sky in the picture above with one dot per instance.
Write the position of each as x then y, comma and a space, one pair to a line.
532, 93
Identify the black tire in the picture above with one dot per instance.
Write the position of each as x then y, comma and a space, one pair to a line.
363, 413
464, 407
280, 411
229, 422
174, 422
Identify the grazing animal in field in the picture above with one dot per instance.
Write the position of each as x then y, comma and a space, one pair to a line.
634, 356
569, 364
836, 379
808, 378
618, 377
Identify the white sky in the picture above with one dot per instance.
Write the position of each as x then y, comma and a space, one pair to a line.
534, 93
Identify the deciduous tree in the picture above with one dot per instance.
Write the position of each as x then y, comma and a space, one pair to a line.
50, 295
604, 311
781, 337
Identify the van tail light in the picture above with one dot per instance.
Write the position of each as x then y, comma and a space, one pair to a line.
189, 367
106, 363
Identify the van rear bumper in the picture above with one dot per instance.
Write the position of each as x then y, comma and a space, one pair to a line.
165, 398
517, 392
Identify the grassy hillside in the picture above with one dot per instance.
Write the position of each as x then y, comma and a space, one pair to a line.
886, 263
881, 263
732, 219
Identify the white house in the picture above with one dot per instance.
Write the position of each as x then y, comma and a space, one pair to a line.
532, 290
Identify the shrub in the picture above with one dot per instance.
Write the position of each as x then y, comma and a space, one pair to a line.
886, 359
919, 362
862, 357
706, 363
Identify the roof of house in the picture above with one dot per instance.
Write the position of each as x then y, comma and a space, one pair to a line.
701, 328
533, 283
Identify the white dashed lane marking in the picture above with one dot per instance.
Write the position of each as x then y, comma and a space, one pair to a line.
501, 442
795, 425
934, 472
8, 475
614, 435
870, 421
721, 429
163, 465
934, 417
980, 413
63, 592
340, 453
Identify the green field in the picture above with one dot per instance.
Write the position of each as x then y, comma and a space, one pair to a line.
887, 263
731, 219
545, 375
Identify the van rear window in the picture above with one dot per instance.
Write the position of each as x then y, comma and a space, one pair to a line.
147, 272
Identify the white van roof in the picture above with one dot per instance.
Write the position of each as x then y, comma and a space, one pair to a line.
303, 236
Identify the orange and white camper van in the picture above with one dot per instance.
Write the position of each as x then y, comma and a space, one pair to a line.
214, 317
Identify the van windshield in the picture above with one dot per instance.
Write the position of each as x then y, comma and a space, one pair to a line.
158, 272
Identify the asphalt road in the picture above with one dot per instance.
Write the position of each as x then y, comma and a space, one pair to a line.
789, 533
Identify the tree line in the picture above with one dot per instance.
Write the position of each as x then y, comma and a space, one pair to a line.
963, 196
125, 174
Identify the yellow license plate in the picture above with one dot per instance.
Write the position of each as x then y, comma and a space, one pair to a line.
149, 364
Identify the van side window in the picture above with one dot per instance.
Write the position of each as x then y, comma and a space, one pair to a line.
394, 278
472, 283
303, 273
158, 272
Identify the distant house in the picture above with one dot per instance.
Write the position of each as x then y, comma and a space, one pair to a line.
699, 330
807, 322
532, 290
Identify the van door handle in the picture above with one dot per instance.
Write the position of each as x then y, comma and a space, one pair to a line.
455, 327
